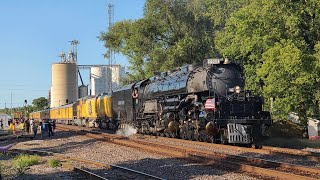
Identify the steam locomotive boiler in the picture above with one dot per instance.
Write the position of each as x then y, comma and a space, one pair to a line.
205, 103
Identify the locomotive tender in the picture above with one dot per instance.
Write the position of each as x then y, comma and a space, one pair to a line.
206, 102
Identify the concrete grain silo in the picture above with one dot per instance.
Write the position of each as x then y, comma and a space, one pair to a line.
64, 83
98, 80
105, 78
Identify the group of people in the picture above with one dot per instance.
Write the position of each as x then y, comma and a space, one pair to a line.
45, 126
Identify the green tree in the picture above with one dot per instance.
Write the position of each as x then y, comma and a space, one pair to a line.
290, 77
255, 28
40, 103
220, 11
269, 37
170, 34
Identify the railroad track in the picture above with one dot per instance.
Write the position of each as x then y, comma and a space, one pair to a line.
311, 156
84, 172
88, 174
252, 165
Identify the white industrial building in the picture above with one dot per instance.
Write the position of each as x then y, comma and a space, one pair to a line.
100, 77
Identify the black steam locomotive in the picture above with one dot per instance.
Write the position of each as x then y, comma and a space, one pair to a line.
206, 103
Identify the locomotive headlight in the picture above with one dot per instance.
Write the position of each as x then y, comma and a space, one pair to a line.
237, 89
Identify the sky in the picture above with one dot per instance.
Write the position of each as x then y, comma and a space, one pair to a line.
34, 32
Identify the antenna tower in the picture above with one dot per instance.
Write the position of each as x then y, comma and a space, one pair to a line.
110, 50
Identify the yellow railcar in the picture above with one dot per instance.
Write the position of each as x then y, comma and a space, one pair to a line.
54, 113
91, 111
66, 112
79, 107
62, 114
31, 115
86, 108
38, 115
89, 108
86, 112
104, 112
104, 106
34, 115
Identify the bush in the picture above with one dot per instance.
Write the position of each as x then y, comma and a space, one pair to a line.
285, 128
24, 161
54, 163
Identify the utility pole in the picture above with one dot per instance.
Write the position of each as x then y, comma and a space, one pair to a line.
25, 109
110, 50
11, 105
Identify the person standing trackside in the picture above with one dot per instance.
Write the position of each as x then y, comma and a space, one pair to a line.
50, 129
41, 128
1, 124
35, 129
53, 126
31, 124
27, 126
14, 127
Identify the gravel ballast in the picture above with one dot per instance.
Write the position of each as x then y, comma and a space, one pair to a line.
162, 166
272, 157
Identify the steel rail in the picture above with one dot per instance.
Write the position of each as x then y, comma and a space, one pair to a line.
251, 160
88, 174
194, 154
97, 163
311, 156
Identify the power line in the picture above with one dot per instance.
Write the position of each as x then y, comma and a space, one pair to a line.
23, 89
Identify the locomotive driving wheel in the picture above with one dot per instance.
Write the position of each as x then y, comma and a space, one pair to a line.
222, 139
210, 139
190, 135
202, 136
173, 135
183, 134
196, 136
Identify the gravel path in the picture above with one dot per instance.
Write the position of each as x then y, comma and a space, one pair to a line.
158, 165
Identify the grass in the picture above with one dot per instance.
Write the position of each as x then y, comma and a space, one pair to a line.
54, 163
22, 162
285, 128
